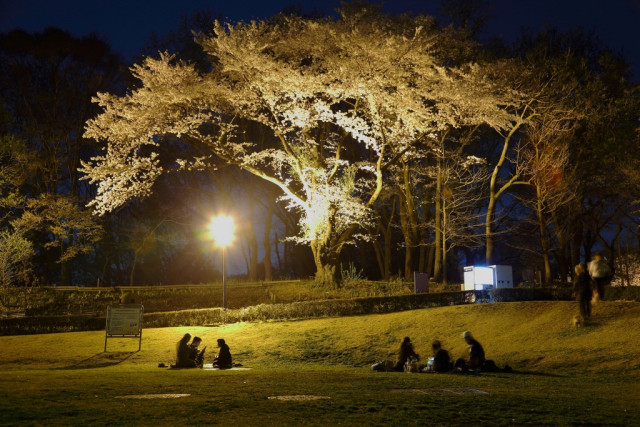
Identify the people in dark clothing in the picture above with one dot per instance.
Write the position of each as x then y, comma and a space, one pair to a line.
600, 273
582, 290
404, 353
183, 353
476, 355
223, 360
196, 354
441, 359
476, 352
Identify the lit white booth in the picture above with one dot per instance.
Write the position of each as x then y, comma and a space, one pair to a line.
491, 277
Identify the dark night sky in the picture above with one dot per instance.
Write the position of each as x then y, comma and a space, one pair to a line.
126, 24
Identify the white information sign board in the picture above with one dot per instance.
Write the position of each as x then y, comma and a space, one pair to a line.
124, 321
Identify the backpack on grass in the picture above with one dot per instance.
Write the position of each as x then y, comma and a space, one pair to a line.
382, 366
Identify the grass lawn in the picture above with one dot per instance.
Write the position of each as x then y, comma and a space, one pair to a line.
563, 375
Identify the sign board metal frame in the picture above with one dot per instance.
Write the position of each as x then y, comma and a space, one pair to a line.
124, 321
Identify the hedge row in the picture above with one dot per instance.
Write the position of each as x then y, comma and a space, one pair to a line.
48, 324
625, 293
262, 312
307, 309
52, 301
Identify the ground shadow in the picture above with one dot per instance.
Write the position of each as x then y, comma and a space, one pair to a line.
101, 360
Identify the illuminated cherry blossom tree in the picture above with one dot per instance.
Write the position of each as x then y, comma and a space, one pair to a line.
341, 100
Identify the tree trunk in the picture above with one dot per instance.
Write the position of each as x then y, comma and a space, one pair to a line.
268, 271
437, 262
430, 255
422, 260
252, 241
133, 267
576, 236
588, 241
544, 244
326, 261
563, 253
444, 242
387, 254
377, 249
65, 273
383, 250
488, 231
65, 268
408, 245
280, 264
410, 222
495, 192
561, 259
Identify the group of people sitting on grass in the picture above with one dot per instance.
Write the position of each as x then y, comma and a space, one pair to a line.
407, 359
189, 355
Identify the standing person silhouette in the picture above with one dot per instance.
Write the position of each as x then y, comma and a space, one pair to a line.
582, 290
600, 273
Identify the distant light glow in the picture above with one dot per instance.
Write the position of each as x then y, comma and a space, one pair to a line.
221, 230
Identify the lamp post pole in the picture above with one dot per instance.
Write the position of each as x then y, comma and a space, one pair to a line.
221, 229
224, 283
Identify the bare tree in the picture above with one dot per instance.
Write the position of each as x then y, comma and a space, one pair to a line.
545, 163
464, 180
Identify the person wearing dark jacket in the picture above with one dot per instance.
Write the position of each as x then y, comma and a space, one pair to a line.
183, 353
476, 355
196, 354
441, 359
582, 290
223, 361
476, 352
404, 353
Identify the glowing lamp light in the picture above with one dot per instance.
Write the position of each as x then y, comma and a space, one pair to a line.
221, 230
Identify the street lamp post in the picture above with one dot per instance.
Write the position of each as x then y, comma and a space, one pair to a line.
221, 229
224, 282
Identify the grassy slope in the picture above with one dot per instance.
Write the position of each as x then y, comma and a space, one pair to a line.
527, 335
568, 376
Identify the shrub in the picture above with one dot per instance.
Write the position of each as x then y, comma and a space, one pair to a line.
298, 310
625, 293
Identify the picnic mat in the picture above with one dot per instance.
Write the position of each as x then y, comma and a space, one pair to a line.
209, 367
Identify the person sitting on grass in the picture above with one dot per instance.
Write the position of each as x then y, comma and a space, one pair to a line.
404, 353
441, 359
223, 360
476, 355
195, 354
183, 353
